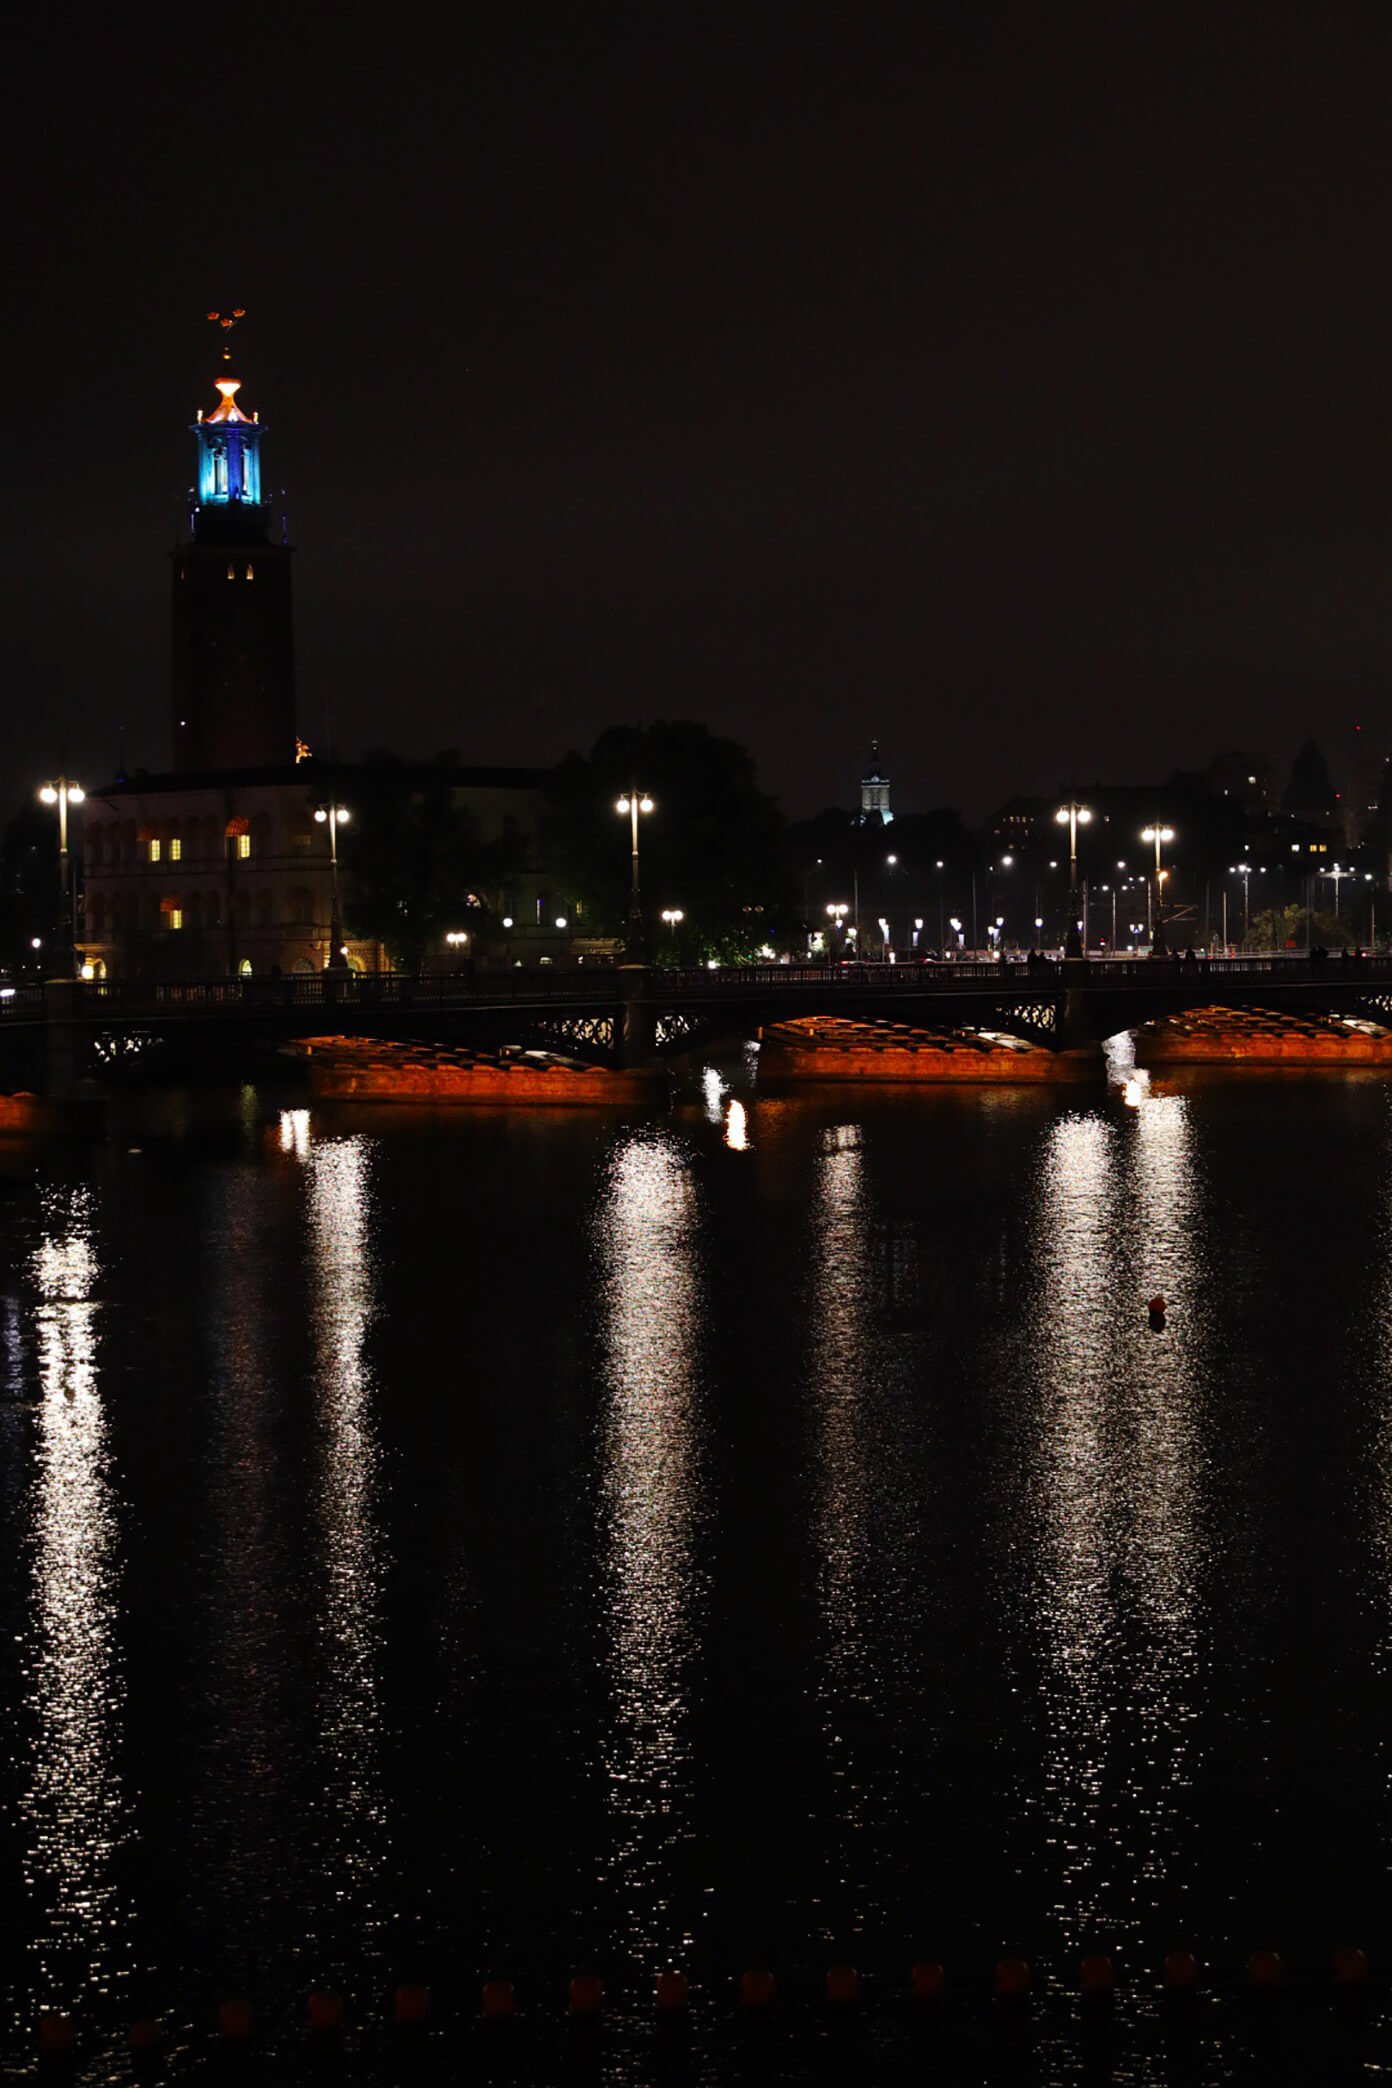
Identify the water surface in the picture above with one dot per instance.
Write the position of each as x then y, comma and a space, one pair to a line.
768, 1533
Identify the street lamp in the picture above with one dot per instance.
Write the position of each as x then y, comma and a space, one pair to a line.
629, 806
334, 816
62, 794
1244, 871
1338, 871
1073, 816
1158, 834
672, 917
836, 914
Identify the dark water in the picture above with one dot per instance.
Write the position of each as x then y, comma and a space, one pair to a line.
768, 1534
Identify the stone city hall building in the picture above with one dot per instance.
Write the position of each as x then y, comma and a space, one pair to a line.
220, 867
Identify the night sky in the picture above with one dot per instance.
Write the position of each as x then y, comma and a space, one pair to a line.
1010, 382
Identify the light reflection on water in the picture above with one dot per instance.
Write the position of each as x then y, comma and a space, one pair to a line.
347, 1507
890, 1483
646, 1236
1109, 1540
72, 1805
843, 1499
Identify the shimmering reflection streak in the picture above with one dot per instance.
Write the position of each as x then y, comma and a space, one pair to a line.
844, 1503
646, 1233
1118, 1478
347, 1497
72, 1806
1161, 1484
1068, 1586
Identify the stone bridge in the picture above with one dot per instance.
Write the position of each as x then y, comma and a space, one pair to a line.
627, 1014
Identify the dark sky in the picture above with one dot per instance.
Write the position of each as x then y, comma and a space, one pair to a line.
1008, 381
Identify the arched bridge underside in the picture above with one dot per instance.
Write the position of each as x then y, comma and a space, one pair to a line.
629, 1014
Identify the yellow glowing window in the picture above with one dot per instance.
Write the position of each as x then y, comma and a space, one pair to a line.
154, 851
244, 846
176, 850
251, 572
176, 917
231, 572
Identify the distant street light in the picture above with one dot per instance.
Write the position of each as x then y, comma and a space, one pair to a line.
62, 794
333, 816
1072, 816
1159, 835
629, 806
672, 917
1337, 872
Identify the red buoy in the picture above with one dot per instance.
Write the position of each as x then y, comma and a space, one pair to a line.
756, 1989
325, 2011
1012, 1978
1181, 1971
927, 1980
672, 1992
412, 2004
55, 2036
1350, 1967
1098, 1975
586, 1995
499, 1999
234, 2019
843, 1986
1265, 1969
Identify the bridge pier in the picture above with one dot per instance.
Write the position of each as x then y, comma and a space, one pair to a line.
1076, 1028
638, 1031
60, 1039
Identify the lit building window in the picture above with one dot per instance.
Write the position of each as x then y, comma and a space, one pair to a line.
176, 917
154, 851
231, 572
251, 572
176, 850
243, 846
244, 968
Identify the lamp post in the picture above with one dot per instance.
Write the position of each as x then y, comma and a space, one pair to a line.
333, 816
836, 914
62, 794
629, 806
1338, 871
1159, 835
1073, 815
1244, 871
672, 918
942, 928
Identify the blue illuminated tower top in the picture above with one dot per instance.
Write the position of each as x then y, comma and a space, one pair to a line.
228, 508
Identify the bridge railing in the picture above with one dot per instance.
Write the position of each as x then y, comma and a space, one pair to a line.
126, 1000
18, 1002
123, 999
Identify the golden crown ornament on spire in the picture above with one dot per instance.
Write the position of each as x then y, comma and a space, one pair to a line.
226, 321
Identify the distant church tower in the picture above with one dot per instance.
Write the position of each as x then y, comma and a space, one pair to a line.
234, 675
874, 792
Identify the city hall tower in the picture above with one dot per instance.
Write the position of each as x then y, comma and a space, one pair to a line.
234, 674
